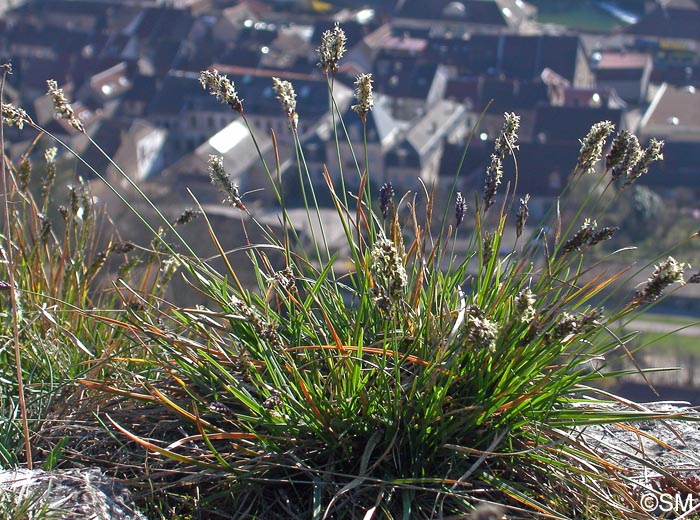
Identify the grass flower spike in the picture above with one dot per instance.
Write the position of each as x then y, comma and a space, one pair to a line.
460, 209
288, 99
508, 137
650, 154
503, 146
363, 95
332, 49
386, 199
666, 273
220, 178
522, 216
339, 353
479, 332
525, 306
631, 154
592, 146
221, 87
494, 175
388, 273
14, 116
62, 107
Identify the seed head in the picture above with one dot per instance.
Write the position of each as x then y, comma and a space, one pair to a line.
602, 234
220, 178
478, 331
48, 180
505, 142
460, 208
525, 306
618, 150
570, 325
494, 174
581, 237
122, 248
62, 107
650, 154
332, 49
288, 99
285, 279
12, 115
521, 217
592, 146
388, 273
666, 273
363, 95
45, 229
186, 217
221, 87
632, 154
266, 331
386, 199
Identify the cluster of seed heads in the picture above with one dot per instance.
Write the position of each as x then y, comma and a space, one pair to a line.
666, 273
504, 145
624, 153
587, 236
388, 273
285, 279
570, 324
525, 306
264, 330
477, 330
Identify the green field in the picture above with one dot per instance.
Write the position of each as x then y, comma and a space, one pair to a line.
580, 15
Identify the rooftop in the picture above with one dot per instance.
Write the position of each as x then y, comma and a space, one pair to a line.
623, 60
674, 111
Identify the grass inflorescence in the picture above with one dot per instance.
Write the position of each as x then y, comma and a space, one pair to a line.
417, 380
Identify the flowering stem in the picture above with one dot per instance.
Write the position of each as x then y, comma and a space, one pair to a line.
9, 258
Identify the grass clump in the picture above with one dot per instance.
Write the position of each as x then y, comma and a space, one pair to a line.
422, 382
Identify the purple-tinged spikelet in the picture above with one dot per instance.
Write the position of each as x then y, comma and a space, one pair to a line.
460, 208
386, 199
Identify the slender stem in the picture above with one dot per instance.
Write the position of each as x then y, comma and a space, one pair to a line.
13, 288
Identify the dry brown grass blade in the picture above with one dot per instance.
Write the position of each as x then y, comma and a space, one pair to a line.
222, 436
104, 386
157, 449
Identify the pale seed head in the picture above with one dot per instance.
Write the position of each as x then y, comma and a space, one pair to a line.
221, 87
62, 107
